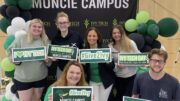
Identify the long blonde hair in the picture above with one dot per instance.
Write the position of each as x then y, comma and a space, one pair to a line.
125, 42
43, 35
62, 81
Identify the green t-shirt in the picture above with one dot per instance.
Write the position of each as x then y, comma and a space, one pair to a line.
94, 73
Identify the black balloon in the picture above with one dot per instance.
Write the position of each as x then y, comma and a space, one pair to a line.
138, 39
3, 10
12, 11
148, 40
156, 44
26, 15
146, 48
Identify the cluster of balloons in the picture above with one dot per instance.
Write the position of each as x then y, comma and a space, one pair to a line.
16, 18
14, 8
144, 31
9, 95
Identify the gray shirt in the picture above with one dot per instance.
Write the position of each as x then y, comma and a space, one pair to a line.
165, 89
29, 71
126, 71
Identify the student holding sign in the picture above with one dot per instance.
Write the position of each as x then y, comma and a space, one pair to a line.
99, 75
156, 85
30, 76
72, 75
65, 37
124, 74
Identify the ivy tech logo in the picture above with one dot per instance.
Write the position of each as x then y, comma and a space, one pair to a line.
114, 22
86, 23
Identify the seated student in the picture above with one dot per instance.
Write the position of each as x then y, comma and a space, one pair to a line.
156, 85
72, 75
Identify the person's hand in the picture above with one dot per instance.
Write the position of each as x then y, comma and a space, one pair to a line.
50, 97
46, 60
53, 59
120, 66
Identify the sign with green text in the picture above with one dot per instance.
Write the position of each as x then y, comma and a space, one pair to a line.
60, 52
75, 93
99, 55
126, 98
139, 59
28, 54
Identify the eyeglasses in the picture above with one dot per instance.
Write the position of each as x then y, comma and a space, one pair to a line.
62, 23
154, 61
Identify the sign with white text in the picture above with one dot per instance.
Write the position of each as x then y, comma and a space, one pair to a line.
75, 93
28, 54
126, 98
139, 59
60, 52
99, 55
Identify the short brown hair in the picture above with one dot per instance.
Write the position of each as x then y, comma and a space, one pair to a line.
159, 52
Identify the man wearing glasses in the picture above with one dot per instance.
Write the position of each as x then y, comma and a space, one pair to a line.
156, 85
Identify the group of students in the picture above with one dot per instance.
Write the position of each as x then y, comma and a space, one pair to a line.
30, 77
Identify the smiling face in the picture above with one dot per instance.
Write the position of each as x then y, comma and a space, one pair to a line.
36, 29
116, 35
92, 38
156, 63
63, 24
73, 75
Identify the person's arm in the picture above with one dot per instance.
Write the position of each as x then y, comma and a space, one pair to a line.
136, 87
135, 95
177, 97
48, 94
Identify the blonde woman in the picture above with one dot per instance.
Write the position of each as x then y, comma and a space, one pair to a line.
124, 75
72, 75
30, 77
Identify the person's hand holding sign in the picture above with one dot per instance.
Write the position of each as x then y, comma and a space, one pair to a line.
120, 66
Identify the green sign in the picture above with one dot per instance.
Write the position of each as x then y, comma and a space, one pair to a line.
28, 54
60, 52
99, 55
139, 59
126, 98
76, 93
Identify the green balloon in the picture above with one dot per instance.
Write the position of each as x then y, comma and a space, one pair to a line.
25, 4
151, 21
153, 31
142, 17
8, 41
4, 23
142, 29
7, 65
131, 25
5, 99
167, 27
10, 74
11, 2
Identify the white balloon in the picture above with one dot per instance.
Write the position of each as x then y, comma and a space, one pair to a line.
8, 93
27, 25
14, 98
18, 22
20, 33
11, 30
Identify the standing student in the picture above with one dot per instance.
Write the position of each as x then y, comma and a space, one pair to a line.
124, 74
72, 75
157, 85
65, 37
30, 76
99, 75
